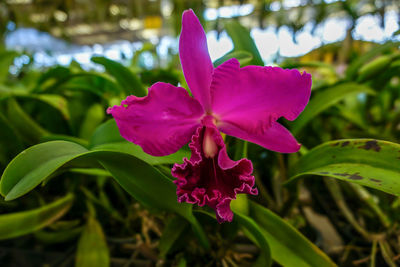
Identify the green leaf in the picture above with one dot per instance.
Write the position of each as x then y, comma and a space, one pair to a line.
374, 68
25, 222
144, 182
256, 233
128, 81
92, 246
368, 162
106, 133
172, 231
34, 165
325, 99
94, 116
141, 180
96, 83
90, 171
242, 41
243, 57
55, 101
354, 67
55, 137
23, 123
288, 246
55, 237
10, 143
148, 185
52, 75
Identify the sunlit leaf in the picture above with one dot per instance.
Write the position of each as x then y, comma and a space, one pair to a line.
368, 162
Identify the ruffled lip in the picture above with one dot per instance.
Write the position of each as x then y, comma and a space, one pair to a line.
212, 181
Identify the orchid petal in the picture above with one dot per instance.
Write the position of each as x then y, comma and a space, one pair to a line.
276, 137
196, 62
212, 181
162, 122
248, 101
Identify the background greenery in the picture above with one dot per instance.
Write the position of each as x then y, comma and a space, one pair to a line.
76, 193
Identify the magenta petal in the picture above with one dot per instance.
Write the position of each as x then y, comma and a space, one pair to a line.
248, 101
212, 181
196, 63
275, 137
161, 122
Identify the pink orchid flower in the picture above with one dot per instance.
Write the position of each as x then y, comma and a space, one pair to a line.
242, 102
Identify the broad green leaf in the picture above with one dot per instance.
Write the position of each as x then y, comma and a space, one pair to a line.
25, 222
243, 57
149, 186
34, 165
242, 41
325, 99
141, 180
55, 137
288, 246
368, 162
128, 81
144, 182
256, 233
92, 246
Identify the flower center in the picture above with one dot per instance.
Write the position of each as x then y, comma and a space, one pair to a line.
210, 148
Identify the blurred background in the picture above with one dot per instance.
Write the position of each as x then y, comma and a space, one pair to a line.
58, 32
